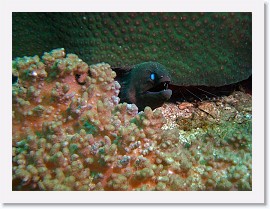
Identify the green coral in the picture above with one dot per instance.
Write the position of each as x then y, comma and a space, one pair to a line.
197, 48
84, 139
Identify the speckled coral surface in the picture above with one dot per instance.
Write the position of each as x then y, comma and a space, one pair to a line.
197, 48
68, 136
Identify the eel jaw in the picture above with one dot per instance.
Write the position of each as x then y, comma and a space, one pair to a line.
161, 89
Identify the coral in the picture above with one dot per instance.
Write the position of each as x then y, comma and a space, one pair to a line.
213, 46
71, 133
217, 135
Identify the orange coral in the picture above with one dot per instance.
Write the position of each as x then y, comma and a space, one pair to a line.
70, 133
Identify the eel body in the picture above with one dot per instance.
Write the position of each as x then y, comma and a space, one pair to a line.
145, 84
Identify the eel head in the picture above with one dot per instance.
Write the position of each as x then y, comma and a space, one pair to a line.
146, 85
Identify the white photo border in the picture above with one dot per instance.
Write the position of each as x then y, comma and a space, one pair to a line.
257, 195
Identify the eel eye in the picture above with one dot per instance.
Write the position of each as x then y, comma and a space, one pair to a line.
152, 76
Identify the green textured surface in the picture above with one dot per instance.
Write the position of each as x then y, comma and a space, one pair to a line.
197, 48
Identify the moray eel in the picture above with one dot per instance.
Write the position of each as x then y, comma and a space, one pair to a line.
145, 84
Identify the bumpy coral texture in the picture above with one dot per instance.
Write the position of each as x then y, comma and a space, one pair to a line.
197, 48
73, 136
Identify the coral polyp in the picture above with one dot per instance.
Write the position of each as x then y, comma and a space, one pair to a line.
211, 48
69, 132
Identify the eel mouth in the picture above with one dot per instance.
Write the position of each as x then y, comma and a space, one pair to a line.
162, 86
160, 91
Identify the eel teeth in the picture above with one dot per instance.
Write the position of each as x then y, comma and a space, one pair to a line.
166, 85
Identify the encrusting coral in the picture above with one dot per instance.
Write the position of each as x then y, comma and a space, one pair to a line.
212, 48
71, 133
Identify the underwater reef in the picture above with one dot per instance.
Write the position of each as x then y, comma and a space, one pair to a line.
69, 136
211, 49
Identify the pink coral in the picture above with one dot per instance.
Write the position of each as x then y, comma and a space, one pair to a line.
71, 133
